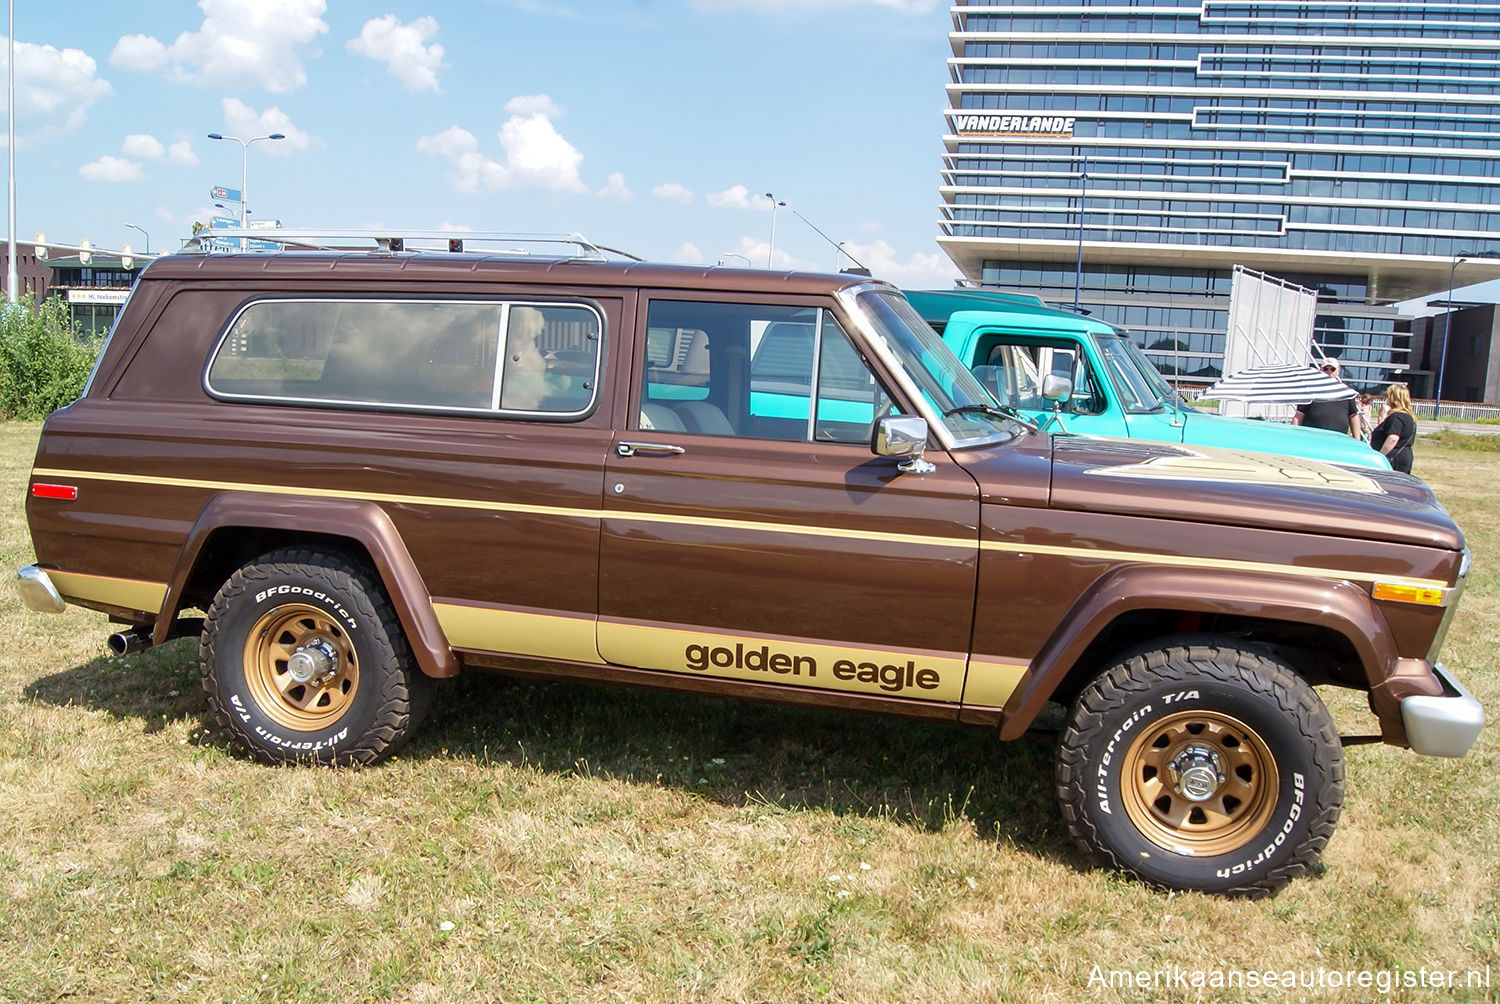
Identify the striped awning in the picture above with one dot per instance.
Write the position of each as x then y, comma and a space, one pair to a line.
1279, 385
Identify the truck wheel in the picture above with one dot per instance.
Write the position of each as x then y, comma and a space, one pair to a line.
1204, 766
304, 661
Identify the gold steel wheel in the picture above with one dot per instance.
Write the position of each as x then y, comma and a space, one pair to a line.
300, 667
1199, 783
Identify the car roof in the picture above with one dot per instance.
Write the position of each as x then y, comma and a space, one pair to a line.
937, 306
321, 266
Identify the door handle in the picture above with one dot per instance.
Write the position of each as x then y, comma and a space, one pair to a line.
648, 449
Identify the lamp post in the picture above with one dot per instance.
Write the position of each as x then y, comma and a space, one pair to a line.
1462, 256
132, 226
1083, 192
771, 253
245, 145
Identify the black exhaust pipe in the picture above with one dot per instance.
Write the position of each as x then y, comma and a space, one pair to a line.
138, 638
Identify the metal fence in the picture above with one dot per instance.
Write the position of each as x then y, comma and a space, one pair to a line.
1457, 411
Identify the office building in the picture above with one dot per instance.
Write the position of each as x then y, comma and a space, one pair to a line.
1351, 146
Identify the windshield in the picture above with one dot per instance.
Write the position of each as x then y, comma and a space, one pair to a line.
1139, 393
913, 348
1164, 390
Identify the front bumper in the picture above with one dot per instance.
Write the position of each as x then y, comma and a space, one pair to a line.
1445, 725
37, 590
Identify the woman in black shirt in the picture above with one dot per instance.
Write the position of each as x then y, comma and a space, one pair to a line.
1395, 434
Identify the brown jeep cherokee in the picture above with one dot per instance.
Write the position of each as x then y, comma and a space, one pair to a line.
377, 467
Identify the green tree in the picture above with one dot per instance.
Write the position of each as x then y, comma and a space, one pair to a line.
45, 359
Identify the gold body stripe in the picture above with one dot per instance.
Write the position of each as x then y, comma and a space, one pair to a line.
990, 684
519, 632
132, 594
998, 546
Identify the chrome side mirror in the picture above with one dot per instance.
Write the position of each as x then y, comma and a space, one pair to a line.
1056, 388
902, 436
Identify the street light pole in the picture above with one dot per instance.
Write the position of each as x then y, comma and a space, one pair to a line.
771, 254
132, 226
1437, 402
11, 276
1083, 192
245, 145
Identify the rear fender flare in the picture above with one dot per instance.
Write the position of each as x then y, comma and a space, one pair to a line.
364, 523
1340, 606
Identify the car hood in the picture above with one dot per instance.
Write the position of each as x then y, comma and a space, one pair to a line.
1231, 487
1202, 428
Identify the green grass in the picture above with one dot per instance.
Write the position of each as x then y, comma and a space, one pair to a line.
542, 842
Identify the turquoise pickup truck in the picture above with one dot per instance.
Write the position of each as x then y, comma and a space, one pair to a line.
1014, 343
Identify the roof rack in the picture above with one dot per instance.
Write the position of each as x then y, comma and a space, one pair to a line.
389, 242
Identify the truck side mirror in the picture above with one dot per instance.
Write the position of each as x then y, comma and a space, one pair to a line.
902, 436
1056, 389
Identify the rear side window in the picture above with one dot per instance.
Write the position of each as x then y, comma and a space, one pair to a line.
445, 355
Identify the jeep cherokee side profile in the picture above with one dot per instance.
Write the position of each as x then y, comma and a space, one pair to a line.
373, 468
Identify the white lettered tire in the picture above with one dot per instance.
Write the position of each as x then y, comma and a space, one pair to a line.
1205, 764
304, 661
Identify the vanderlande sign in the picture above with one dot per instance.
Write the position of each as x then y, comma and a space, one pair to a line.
1007, 124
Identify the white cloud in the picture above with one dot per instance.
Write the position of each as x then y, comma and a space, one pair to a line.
673, 192
181, 153
534, 104
54, 86
140, 53
616, 190
403, 49
109, 168
737, 197
915, 271
688, 254
245, 122
535, 154
142, 146
241, 43
755, 249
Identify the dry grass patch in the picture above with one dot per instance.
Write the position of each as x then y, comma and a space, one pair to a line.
566, 843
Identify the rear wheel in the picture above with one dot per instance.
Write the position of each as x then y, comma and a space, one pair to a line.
1202, 765
305, 661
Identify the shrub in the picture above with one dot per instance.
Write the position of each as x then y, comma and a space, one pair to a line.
44, 359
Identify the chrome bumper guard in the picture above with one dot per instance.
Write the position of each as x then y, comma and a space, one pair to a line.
1443, 726
37, 590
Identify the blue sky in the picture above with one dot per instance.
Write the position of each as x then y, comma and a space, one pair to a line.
655, 126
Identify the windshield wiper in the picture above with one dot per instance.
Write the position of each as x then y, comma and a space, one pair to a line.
998, 410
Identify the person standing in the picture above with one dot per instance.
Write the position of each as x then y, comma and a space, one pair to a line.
1335, 416
1395, 435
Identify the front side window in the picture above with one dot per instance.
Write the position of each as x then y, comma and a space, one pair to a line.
761, 371
447, 355
1016, 368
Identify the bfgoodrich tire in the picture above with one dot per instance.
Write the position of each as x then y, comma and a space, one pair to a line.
304, 661
1202, 765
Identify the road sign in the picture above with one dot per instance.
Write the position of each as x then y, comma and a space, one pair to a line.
221, 194
220, 222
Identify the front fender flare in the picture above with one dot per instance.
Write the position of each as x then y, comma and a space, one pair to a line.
1338, 605
365, 523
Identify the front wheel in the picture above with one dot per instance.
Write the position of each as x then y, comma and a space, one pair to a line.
1202, 765
305, 661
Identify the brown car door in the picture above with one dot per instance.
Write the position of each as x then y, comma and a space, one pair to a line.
749, 533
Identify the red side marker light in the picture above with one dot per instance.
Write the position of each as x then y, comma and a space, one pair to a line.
67, 493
